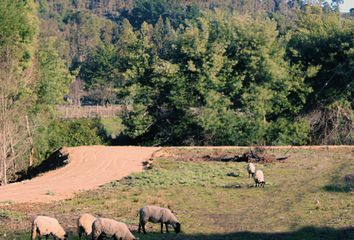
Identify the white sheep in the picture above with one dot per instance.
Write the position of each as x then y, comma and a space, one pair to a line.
157, 214
105, 227
259, 178
46, 226
84, 224
251, 169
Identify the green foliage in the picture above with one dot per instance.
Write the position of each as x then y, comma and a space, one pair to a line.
54, 76
325, 42
219, 78
151, 11
67, 133
193, 75
192, 72
15, 29
285, 132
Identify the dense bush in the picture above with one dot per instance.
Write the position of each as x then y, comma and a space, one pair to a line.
68, 133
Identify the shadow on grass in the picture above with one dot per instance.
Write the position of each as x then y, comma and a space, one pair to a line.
306, 233
342, 184
338, 188
301, 234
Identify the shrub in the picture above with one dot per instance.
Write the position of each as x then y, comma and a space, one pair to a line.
70, 133
285, 132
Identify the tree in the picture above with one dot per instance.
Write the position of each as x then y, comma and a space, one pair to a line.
54, 76
323, 45
16, 73
336, 3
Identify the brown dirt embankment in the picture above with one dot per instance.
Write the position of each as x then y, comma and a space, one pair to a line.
88, 168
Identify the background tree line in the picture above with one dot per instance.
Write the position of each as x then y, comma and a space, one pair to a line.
193, 72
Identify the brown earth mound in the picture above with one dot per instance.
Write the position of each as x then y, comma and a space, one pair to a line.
88, 167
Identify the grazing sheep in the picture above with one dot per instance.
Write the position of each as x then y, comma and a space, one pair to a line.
46, 226
104, 227
157, 214
259, 178
251, 169
84, 224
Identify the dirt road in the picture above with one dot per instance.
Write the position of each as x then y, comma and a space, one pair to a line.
89, 167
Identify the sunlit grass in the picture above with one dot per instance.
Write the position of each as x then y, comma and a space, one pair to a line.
112, 126
206, 201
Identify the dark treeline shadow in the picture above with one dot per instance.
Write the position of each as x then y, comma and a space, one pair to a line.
306, 233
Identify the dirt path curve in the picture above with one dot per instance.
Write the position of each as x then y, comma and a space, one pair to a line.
89, 167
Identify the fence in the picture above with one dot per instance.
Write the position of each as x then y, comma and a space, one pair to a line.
73, 112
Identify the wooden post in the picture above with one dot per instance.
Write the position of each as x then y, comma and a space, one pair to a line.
4, 156
12, 152
31, 142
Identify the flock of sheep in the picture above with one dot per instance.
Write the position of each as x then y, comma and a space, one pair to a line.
105, 227
258, 175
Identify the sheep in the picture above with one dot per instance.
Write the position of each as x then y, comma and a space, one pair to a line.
84, 224
259, 178
46, 226
105, 227
251, 169
157, 214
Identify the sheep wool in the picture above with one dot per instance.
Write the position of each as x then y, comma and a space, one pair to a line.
46, 226
84, 224
157, 214
251, 169
110, 228
259, 178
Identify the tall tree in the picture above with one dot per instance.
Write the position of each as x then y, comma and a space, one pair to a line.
16, 72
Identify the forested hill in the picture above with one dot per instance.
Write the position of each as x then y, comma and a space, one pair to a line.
202, 72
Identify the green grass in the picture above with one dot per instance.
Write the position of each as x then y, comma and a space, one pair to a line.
112, 126
209, 206
13, 215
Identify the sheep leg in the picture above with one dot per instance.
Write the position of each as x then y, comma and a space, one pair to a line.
139, 229
143, 225
166, 227
94, 237
161, 227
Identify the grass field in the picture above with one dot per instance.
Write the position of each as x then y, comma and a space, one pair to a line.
112, 126
305, 197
